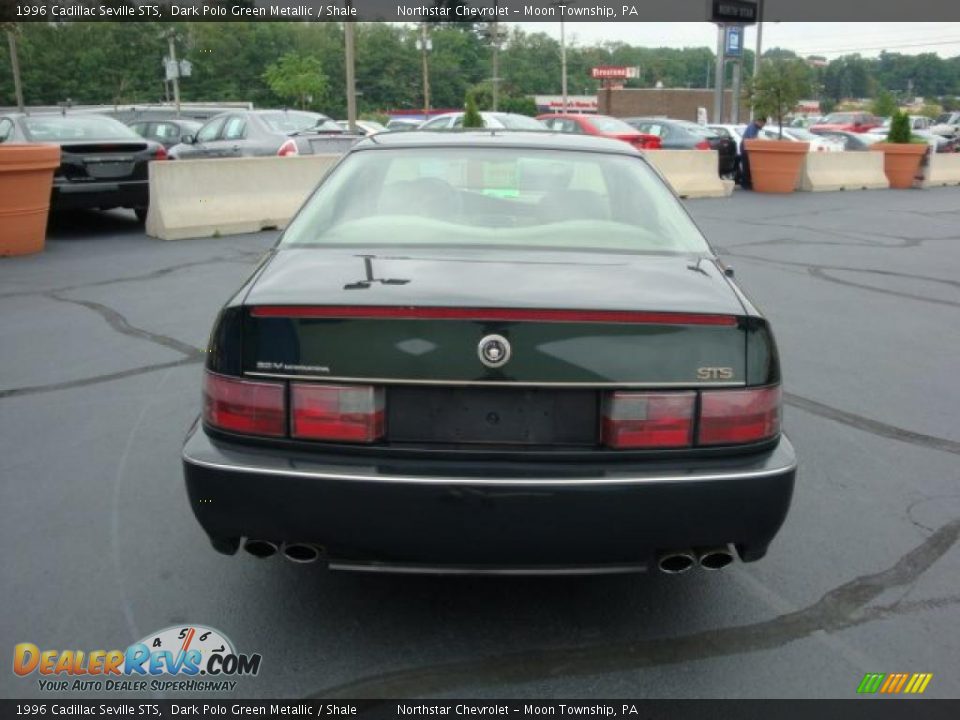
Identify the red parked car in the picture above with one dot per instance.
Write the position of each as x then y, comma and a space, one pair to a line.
602, 125
857, 122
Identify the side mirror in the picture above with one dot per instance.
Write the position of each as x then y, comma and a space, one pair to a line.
188, 139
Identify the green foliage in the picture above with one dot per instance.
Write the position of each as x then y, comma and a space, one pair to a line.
298, 78
519, 105
884, 104
780, 85
471, 116
827, 105
899, 128
931, 110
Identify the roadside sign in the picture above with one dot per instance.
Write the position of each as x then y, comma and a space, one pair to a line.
614, 72
733, 41
742, 12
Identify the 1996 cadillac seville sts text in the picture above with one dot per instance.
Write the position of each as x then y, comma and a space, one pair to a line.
492, 352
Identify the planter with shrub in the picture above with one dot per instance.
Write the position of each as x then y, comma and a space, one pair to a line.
26, 182
775, 164
902, 153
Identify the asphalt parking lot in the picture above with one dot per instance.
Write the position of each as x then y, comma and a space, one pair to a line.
101, 340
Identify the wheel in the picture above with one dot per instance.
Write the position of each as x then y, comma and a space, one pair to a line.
141, 214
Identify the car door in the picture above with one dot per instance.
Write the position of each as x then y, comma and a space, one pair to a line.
207, 136
233, 138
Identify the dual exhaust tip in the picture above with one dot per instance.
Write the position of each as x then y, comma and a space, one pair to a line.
294, 552
675, 562
672, 562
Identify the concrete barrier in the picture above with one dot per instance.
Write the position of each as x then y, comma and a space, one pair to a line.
692, 173
842, 171
202, 198
941, 169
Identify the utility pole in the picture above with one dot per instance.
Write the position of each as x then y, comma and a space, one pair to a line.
563, 67
351, 80
495, 39
15, 66
424, 47
718, 79
176, 77
735, 101
756, 59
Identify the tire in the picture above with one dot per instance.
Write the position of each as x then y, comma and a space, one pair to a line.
141, 214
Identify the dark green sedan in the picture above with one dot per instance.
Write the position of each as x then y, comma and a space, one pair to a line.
492, 352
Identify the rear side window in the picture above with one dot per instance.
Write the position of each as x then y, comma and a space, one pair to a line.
235, 129
504, 197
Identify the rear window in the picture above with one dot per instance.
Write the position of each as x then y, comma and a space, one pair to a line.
520, 122
504, 197
291, 122
67, 128
611, 125
839, 118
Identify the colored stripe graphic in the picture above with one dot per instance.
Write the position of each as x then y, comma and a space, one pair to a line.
894, 683
870, 683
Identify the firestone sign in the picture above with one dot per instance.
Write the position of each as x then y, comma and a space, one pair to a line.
614, 72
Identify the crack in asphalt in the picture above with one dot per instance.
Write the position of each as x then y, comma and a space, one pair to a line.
874, 427
245, 257
121, 325
97, 379
842, 607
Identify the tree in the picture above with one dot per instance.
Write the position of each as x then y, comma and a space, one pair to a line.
299, 78
899, 128
884, 104
471, 116
777, 89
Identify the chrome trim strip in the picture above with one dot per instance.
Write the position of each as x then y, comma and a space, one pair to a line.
459, 570
496, 383
491, 482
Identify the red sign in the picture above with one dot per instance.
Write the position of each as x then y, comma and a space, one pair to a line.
609, 72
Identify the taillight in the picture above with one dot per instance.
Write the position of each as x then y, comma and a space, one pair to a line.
288, 149
161, 153
702, 145
350, 413
244, 406
739, 416
648, 420
654, 143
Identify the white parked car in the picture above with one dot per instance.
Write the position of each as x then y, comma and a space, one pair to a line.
497, 120
947, 124
730, 131
818, 143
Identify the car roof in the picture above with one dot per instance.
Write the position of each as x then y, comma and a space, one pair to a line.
495, 138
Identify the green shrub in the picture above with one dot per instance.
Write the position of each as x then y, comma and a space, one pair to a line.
899, 128
471, 116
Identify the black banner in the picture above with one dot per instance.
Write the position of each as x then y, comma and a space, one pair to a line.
460, 10
859, 709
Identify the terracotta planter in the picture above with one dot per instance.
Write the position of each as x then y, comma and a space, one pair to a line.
775, 164
901, 162
26, 181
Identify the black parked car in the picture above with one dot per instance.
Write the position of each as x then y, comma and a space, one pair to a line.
487, 352
264, 133
103, 163
167, 132
684, 135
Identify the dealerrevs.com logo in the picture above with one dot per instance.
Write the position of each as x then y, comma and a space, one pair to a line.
200, 658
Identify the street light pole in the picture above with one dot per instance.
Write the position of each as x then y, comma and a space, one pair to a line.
756, 58
495, 28
176, 75
351, 80
718, 79
563, 66
426, 71
15, 66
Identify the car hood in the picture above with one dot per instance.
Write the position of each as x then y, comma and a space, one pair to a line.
493, 277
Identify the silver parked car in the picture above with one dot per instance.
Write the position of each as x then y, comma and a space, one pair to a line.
264, 133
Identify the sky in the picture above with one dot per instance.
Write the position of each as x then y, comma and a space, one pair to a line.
812, 38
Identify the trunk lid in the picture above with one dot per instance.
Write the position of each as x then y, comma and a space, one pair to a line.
569, 318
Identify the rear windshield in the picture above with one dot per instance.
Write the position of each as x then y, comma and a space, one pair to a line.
520, 122
43, 128
839, 118
504, 197
291, 122
611, 125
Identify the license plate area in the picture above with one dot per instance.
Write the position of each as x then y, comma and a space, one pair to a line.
109, 169
492, 416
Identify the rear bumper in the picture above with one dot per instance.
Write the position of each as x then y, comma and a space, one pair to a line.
83, 195
454, 515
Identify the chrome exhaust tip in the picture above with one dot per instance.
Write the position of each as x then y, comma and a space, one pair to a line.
675, 562
300, 552
714, 558
260, 548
